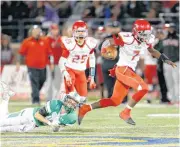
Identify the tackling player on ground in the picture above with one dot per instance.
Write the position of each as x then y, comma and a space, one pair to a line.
31, 118
77, 50
132, 45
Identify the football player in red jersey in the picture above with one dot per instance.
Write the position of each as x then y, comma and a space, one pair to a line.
132, 45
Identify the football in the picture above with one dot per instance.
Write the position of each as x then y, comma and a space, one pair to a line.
109, 52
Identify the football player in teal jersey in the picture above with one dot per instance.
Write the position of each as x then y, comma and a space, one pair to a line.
30, 118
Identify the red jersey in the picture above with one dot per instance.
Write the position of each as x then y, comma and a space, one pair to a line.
36, 52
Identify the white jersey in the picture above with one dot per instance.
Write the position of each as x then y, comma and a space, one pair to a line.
131, 51
78, 56
148, 59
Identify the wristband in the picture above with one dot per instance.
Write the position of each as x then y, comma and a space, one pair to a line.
49, 123
92, 71
163, 57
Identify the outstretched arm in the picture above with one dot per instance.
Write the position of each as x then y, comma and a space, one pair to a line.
41, 114
162, 57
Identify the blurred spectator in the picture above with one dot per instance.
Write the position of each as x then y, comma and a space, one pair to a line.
175, 7
54, 77
14, 10
51, 11
6, 51
98, 9
118, 11
171, 49
64, 9
160, 72
36, 52
106, 66
38, 11
89, 12
136, 8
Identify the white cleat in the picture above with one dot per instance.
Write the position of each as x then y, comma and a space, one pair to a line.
7, 91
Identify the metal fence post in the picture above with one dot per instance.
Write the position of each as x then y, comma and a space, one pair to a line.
20, 30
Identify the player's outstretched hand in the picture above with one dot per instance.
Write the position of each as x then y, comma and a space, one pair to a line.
67, 78
171, 63
53, 124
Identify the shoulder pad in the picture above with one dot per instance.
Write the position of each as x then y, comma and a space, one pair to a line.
91, 42
69, 43
127, 37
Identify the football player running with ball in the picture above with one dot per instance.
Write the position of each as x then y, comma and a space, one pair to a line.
132, 45
31, 118
77, 50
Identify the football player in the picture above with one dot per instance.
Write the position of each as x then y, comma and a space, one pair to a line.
132, 45
77, 50
31, 118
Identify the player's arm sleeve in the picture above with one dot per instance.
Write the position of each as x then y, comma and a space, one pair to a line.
118, 40
68, 119
63, 59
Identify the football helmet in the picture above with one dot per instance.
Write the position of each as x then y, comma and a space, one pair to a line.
71, 102
142, 30
80, 31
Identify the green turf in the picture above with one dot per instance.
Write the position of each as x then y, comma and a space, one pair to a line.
104, 128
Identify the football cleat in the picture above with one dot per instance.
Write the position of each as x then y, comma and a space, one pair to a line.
7, 92
82, 112
127, 118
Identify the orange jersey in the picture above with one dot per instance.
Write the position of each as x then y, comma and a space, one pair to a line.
36, 52
56, 48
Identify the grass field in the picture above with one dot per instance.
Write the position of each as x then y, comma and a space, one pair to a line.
104, 128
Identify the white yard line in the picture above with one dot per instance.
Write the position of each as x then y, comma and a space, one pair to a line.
164, 115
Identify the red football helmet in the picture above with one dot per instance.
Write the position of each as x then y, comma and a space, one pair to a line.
80, 31
142, 30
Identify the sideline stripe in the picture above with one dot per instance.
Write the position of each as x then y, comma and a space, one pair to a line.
163, 115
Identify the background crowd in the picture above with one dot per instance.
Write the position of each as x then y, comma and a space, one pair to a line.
103, 18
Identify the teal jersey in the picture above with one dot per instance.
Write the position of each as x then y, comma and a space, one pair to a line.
52, 107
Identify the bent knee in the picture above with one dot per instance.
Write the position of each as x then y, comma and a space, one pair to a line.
115, 101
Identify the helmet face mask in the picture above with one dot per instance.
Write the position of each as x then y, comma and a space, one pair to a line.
80, 32
80, 35
70, 103
143, 36
142, 30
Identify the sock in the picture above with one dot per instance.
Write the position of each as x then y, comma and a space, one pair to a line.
139, 95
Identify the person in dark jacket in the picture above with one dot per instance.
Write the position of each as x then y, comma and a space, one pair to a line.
160, 72
171, 49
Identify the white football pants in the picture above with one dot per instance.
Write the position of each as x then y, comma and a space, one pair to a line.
22, 121
172, 81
